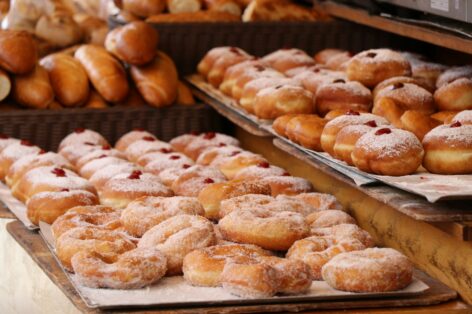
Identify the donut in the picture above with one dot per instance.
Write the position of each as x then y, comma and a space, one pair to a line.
105, 151
448, 149
324, 55
272, 230
207, 62
178, 236
212, 195
133, 269
373, 66
408, 97
150, 157
287, 185
283, 60
280, 124
146, 212
369, 270
90, 216
332, 128
387, 151
252, 88
110, 244
74, 152
344, 231
95, 165
221, 64
203, 267
346, 140
179, 143
454, 73
316, 251
207, 157
80, 136
276, 101
249, 75
319, 201
48, 179
446, 117
28, 162
48, 206
123, 189
417, 122
127, 139
261, 170
306, 130
298, 70
206, 140
329, 218
195, 178
234, 71
456, 95
401, 79
464, 117
14, 152
144, 146
167, 161
339, 94
338, 112
313, 79
100, 177
169, 176
388, 109
339, 62
230, 165
6, 140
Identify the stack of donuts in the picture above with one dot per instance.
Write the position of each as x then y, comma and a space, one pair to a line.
410, 99
200, 206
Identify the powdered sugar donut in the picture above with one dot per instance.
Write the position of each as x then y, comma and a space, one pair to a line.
14, 152
407, 96
74, 152
219, 67
234, 71
133, 269
235, 162
175, 160
287, 185
370, 270
131, 137
209, 155
150, 157
205, 65
144, 146
179, 143
340, 94
6, 140
464, 117
95, 165
454, 73
169, 176
80, 136
283, 60
456, 95
261, 170
319, 201
313, 79
203, 141
195, 178
347, 138
101, 176
178, 236
345, 231
146, 212
329, 218
105, 151
249, 75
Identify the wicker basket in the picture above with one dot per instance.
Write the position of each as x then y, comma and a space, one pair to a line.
46, 128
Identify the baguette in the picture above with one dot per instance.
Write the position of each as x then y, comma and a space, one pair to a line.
181, 6
5, 85
200, 16
68, 79
33, 90
144, 8
105, 72
184, 95
157, 82
135, 43
18, 52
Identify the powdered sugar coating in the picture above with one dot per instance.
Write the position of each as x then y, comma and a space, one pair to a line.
15, 151
285, 59
100, 177
287, 185
209, 155
381, 55
345, 231
76, 151
351, 88
167, 161
329, 218
125, 140
453, 74
81, 136
450, 137
195, 178
464, 117
99, 153
5, 142
168, 176
180, 142
93, 166
339, 122
408, 97
319, 201
206, 140
142, 147
260, 171
150, 157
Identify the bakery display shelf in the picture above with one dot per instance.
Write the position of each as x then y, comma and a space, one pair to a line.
423, 33
5, 213
227, 106
39, 252
46, 128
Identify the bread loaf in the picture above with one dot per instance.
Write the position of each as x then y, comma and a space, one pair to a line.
157, 82
18, 52
68, 79
104, 71
200, 16
58, 29
33, 89
229, 6
144, 8
134, 43
180, 6
94, 29
184, 95
5, 85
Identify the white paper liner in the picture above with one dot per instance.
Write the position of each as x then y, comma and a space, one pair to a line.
174, 291
16, 207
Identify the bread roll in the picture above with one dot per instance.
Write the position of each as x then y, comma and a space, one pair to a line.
281, 10
144, 8
18, 52
184, 95
95, 101
228, 6
5, 85
200, 16
68, 79
58, 29
134, 99
94, 29
33, 89
157, 82
134, 43
181, 6
105, 72
54, 105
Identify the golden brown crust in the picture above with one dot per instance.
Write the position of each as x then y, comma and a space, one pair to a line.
200, 16
18, 52
144, 8
408, 97
455, 96
34, 89
306, 130
343, 95
280, 124
184, 95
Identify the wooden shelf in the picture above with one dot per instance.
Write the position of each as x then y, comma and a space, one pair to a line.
429, 35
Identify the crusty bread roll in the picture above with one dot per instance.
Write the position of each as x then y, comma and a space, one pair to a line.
181, 6
229, 6
18, 52
277, 10
68, 79
33, 89
94, 29
58, 29
125, 17
184, 95
95, 101
144, 8
55, 105
200, 16
105, 72
134, 99
5, 85
157, 82
134, 43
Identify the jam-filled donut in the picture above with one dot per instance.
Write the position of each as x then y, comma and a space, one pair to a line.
207, 157
206, 64
329, 218
323, 56
178, 236
180, 142
454, 73
373, 66
306, 130
231, 165
169, 176
167, 161
369, 270
283, 60
401, 79
198, 144
251, 75
448, 149
131, 137
346, 140
133, 269
388, 151
408, 97
14, 152
464, 117
123, 189
456, 95
212, 195
101, 176
90, 168
340, 94
73, 153
195, 178
150, 157
319, 201
261, 170
287, 185
104, 151
221, 64
146, 212
313, 79
234, 71
81, 136
280, 124
108, 243
144, 146
332, 128
48, 206
6, 140
20, 167
93, 216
